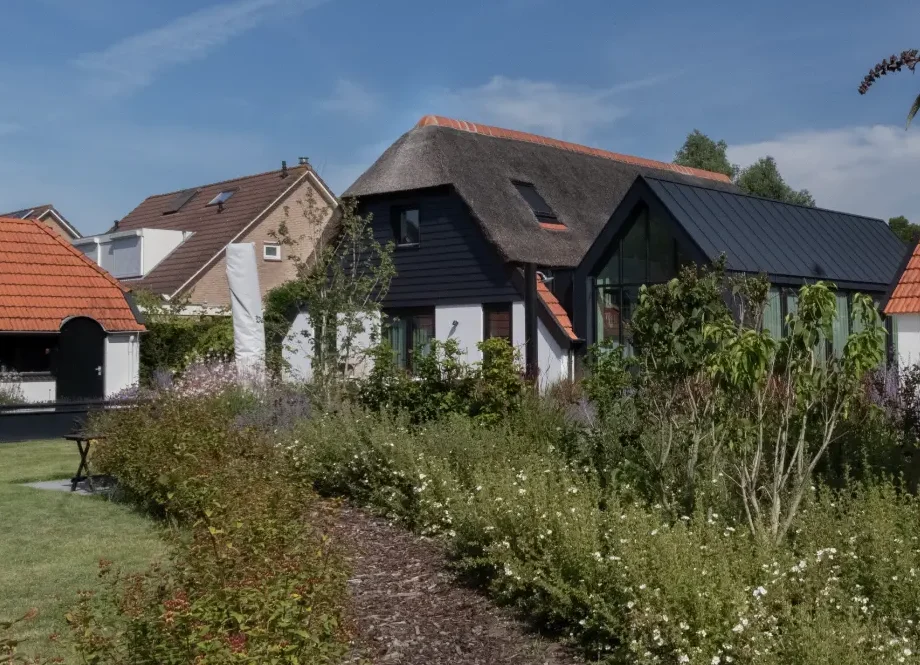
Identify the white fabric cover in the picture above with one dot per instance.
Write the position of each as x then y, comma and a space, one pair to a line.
246, 305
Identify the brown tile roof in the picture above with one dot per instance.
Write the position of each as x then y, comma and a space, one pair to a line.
905, 298
45, 280
498, 132
556, 309
212, 230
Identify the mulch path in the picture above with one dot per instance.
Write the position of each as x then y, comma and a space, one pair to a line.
408, 609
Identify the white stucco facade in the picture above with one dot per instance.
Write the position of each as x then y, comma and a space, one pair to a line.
907, 338
122, 362
297, 349
463, 323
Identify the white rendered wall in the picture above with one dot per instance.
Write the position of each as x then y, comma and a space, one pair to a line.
463, 323
297, 349
158, 244
907, 338
32, 390
553, 360
122, 362
518, 336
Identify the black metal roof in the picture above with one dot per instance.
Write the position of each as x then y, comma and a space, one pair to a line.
760, 235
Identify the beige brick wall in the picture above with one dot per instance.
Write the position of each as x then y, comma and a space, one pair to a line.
306, 214
52, 223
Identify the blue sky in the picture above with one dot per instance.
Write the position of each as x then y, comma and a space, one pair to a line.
109, 101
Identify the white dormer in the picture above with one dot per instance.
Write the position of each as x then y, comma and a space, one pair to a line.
131, 254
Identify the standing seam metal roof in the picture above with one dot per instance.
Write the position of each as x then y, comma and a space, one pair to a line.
782, 239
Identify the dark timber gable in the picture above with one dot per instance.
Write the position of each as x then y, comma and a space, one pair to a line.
453, 263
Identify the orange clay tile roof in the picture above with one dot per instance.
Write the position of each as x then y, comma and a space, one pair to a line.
556, 309
498, 132
44, 280
905, 298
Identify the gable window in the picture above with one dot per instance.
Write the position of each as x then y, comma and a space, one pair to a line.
406, 226
537, 203
222, 197
497, 321
409, 333
271, 251
647, 253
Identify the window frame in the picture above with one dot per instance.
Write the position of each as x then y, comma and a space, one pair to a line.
547, 216
500, 307
396, 217
408, 315
265, 248
214, 201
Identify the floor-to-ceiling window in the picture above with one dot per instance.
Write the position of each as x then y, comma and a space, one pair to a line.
646, 254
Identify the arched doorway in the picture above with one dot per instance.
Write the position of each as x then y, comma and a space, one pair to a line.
81, 360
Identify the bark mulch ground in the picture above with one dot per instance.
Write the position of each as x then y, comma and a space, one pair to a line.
408, 609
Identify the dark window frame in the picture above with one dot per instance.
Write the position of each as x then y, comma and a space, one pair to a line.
500, 307
18, 358
396, 213
538, 205
409, 315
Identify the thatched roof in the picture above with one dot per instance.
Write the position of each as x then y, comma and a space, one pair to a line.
582, 185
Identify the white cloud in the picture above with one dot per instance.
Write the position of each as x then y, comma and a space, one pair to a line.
866, 170
350, 98
134, 62
562, 111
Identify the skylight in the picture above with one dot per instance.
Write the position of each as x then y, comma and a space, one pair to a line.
222, 197
536, 202
180, 200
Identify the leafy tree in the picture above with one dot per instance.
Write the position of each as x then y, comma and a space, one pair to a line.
908, 59
761, 178
904, 229
340, 283
701, 152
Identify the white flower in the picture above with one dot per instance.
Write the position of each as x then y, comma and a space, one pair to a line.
738, 628
759, 591
630, 605
715, 660
683, 658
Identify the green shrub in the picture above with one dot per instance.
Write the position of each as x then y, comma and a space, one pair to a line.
252, 579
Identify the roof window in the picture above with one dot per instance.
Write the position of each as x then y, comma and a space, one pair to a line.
537, 203
180, 200
222, 197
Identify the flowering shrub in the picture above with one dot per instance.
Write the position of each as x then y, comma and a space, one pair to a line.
624, 579
442, 383
252, 579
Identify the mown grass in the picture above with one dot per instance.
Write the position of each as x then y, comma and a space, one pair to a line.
51, 542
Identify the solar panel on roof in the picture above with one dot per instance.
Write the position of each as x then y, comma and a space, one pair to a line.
222, 197
180, 200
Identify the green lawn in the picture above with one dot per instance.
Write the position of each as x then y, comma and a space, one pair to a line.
51, 542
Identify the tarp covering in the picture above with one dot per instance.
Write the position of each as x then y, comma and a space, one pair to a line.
246, 305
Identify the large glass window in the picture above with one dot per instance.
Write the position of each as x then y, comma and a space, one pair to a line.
409, 333
773, 314
27, 353
646, 254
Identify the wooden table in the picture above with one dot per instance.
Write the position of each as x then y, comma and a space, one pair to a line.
83, 441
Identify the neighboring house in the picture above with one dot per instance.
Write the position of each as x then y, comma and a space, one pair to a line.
486, 220
173, 244
903, 309
68, 329
49, 216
